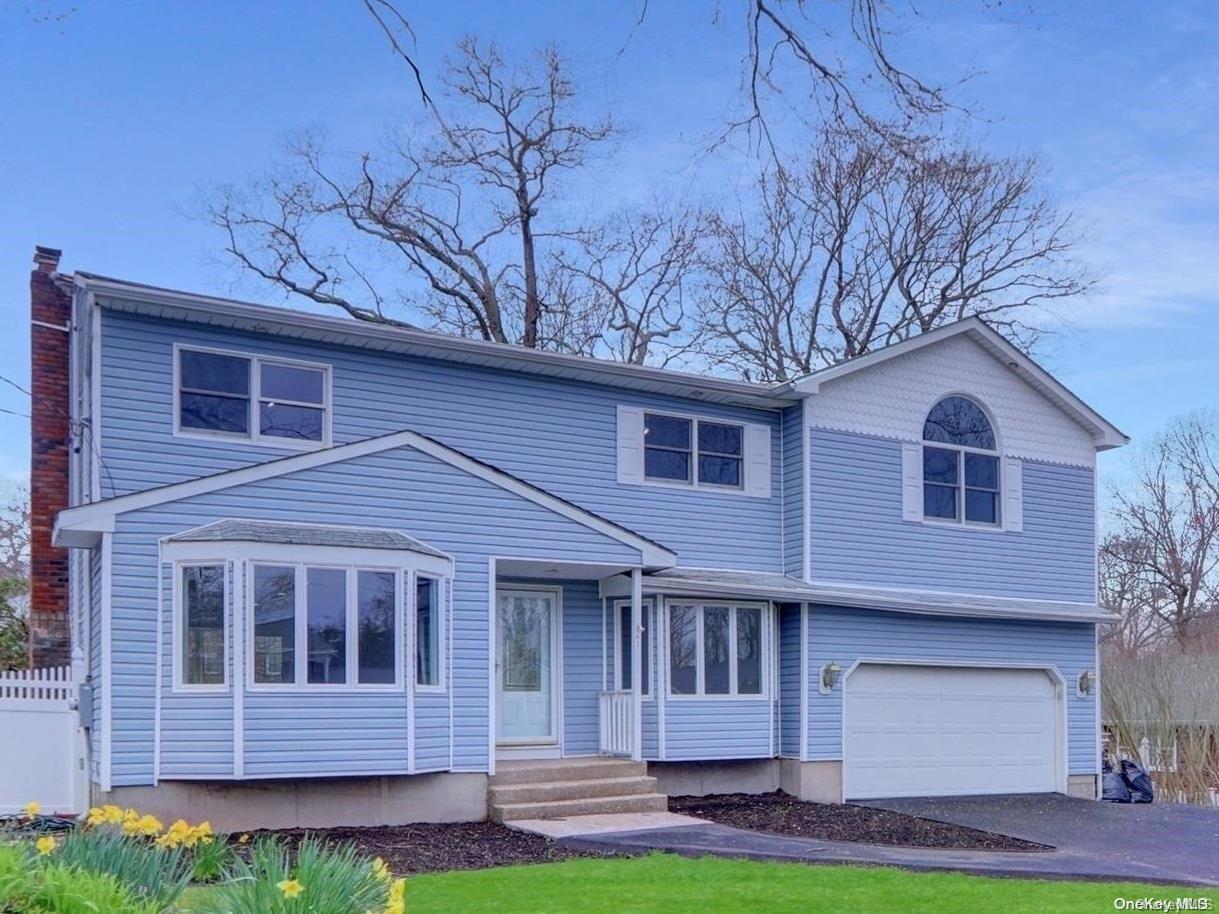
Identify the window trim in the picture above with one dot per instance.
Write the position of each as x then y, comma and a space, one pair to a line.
301, 628
694, 482
616, 682
254, 435
700, 674
178, 622
960, 522
442, 598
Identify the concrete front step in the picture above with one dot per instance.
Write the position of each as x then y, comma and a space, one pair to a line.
570, 769
640, 802
582, 789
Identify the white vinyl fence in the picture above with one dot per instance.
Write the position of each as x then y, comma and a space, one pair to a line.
42, 745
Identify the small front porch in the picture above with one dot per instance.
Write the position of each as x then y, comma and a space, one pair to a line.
564, 683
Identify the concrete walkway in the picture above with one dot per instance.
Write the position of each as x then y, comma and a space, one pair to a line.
603, 824
1174, 845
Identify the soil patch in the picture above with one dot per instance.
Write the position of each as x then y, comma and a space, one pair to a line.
781, 814
439, 847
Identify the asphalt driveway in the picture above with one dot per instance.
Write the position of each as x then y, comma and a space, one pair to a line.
1160, 843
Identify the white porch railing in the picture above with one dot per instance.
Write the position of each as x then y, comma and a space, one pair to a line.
617, 723
40, 724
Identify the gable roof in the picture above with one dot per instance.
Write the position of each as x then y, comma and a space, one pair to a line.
81, 526
140, 298
1104, 433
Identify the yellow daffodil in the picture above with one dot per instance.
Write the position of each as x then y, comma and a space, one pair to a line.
149, 826
97, 816
381, 870
112, 815
33, 808
397, 897
244, 839
290, 887
45, 845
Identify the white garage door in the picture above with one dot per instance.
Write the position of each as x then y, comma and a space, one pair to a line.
945, 731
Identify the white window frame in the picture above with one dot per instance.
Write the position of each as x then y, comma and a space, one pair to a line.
1000, 491
178, 621
301, 621
441, 685
254, 435
616, 672
700, 669
693, 482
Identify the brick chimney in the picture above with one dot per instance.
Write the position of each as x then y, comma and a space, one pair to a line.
50, 439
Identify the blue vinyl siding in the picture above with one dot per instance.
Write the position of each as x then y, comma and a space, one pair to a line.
793, 490
859, 537
582, 667
789, 680
708, 728
846, 635
555, 433
295, 734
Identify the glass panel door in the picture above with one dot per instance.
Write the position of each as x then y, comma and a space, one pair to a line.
525, 667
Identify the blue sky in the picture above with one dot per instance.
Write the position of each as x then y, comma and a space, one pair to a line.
117, 118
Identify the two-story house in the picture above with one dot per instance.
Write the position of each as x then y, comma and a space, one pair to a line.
326, 571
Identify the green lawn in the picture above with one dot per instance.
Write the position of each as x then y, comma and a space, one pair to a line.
662, 884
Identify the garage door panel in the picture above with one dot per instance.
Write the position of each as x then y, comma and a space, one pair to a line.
939, 731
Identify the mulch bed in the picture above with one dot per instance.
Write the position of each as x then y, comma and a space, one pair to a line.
781, 814
439, 847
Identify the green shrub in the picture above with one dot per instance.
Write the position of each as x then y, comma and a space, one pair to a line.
15, 880
151, 873
212, 860
64, 890
331, 880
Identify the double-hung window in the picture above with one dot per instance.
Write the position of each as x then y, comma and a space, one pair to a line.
203, 632
716, 649
960, 464
693, 451
253, 397
319, 626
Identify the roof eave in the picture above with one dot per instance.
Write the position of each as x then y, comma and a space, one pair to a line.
267, 319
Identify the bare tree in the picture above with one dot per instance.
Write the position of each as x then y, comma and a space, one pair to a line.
15, 533
1166, 543
458, 213
636, 277
1123, 588
865, 244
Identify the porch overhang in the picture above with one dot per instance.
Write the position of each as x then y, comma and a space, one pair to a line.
782, 588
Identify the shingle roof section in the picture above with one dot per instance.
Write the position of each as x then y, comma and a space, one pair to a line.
774, 586
255, 531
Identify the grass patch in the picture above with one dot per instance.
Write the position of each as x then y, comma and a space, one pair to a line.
666, 884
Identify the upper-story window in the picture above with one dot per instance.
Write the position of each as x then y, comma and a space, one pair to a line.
252, 397
960, 464
677, 449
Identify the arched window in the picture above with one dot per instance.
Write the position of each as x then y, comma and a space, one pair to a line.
960, 464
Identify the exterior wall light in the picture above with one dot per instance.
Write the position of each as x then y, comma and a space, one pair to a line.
1086, 684
830, 674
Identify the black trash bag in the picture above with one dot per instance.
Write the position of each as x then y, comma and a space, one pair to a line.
1113, 786
1138, 781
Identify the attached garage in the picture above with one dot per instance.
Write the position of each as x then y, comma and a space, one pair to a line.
926, 730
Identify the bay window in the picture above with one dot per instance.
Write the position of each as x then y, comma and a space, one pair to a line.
427, 632
716, 649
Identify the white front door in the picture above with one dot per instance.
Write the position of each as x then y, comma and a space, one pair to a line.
526, 666
943, 731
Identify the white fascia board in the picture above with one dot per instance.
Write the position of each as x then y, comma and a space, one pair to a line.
99, 516
1105, 435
